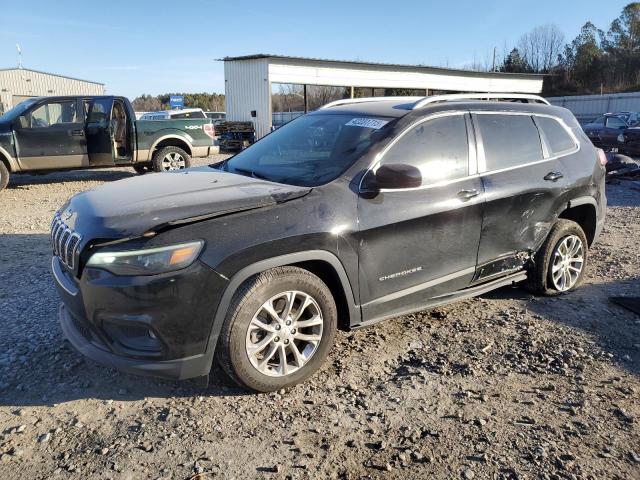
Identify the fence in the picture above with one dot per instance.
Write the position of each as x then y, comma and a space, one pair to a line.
588, 107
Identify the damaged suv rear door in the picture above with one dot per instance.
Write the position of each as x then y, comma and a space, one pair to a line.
524, 180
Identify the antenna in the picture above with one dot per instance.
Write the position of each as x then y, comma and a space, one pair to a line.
19, 48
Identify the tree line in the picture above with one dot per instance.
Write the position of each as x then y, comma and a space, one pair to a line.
209, 102
596, 61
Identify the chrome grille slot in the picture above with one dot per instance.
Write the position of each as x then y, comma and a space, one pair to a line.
64, 242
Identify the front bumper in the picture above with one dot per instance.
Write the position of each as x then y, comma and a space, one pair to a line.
177, 369
157, 325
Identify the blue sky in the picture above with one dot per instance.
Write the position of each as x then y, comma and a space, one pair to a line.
137, 47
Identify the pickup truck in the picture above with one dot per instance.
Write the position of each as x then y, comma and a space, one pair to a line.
76, 132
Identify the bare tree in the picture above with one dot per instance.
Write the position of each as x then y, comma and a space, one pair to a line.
541, 47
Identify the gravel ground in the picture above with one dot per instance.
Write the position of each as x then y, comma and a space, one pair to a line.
503, 386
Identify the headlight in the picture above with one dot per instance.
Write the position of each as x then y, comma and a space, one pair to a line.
149, 261
621, 138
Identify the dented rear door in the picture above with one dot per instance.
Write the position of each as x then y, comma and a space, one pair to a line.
523, 187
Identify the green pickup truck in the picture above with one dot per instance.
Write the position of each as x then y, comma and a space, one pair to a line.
64, 133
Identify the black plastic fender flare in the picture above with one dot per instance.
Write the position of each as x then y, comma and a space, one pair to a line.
291, 258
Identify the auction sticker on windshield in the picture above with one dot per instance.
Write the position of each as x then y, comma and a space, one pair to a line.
367, 123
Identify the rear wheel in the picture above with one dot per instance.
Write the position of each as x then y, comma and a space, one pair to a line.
4, 175
170, 158
279, 329
560, 263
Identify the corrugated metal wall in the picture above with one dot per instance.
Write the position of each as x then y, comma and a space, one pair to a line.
588, 107
22, 83
247, 88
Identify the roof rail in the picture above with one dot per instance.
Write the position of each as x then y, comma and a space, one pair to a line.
346, 101
420, 102
479, 96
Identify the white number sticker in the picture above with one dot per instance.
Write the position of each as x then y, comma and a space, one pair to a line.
367, 123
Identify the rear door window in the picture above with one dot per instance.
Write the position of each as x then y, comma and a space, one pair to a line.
557, 138
509, 140
439, 148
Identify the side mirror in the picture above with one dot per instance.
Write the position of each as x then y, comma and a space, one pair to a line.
393, 177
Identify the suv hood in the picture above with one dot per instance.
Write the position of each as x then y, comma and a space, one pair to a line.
131, 207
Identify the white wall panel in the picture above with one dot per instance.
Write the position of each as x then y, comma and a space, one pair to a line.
246, 88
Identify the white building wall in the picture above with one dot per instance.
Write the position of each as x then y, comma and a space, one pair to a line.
247, 88
30, 83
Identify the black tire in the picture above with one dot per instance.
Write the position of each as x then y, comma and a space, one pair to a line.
4, 175
231, 351
141, 168
539, 280
160, 155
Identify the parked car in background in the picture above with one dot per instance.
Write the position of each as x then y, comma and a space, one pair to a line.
363, 210
612, 133
174, 114
73, 132
216, 116
631, 118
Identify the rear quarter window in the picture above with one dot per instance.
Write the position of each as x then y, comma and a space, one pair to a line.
509, 140
557, 138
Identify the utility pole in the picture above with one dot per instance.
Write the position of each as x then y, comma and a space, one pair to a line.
493, 68
19, 55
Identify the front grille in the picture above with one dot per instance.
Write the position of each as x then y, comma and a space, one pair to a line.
64, 242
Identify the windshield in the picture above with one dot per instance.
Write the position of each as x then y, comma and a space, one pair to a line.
19, 109
309, 151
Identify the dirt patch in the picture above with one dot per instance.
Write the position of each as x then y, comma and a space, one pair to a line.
503, 386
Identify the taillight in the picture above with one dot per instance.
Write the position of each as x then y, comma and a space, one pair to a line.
209, 129
602, 157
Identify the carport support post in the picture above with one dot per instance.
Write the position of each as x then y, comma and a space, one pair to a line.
304, 95
352, 92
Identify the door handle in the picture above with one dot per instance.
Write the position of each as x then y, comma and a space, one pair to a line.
553, 176
468, 194
77, 133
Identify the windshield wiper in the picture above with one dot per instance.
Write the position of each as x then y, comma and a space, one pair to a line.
251, 173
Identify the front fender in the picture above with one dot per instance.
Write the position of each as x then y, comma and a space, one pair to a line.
292, 258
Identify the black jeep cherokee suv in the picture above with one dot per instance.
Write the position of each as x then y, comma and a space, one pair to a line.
360, 211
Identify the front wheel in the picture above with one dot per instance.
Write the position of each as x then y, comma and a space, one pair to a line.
170, 158
279, 329
560, 263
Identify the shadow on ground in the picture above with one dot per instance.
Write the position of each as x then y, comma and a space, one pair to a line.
21, 180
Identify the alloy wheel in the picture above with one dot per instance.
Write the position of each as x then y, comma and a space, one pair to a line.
173, 161
567, 262
284, 333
